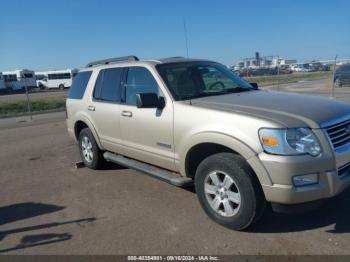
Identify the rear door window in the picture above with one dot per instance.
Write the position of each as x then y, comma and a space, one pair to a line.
79, 85
107, 87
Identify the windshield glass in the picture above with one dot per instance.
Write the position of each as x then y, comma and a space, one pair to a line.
191, 80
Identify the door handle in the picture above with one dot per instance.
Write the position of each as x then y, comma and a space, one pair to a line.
91, 108
127, 113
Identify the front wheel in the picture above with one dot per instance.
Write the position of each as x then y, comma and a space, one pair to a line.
61, 87
337, 82
229, 191
90, 153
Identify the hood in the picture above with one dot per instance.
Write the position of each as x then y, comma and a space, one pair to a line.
287, 109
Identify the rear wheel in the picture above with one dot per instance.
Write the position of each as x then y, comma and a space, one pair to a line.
229, 191
61, 87
90, 153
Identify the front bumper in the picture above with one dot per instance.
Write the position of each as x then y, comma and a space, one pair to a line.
282, 169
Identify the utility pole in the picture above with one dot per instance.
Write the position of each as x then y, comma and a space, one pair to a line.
27, 95
278, 73
335, 65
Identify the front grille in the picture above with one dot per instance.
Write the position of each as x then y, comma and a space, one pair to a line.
344, 171
339, 134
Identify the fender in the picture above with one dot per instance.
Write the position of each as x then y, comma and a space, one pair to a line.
85, 118
228, 141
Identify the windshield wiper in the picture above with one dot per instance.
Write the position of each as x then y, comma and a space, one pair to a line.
227, 91
237, 89
221, 92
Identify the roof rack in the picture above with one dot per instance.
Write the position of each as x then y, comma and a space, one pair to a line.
172, 57
113, 60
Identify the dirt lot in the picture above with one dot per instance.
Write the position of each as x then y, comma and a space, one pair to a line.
49, 207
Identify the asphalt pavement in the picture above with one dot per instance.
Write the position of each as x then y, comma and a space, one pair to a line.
47, 206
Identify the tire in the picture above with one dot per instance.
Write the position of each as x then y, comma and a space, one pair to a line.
337, 82
61, 87
241, 185
91, 155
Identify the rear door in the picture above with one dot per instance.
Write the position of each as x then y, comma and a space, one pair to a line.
147, 133
104, 107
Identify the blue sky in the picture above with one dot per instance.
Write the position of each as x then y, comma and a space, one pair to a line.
43, 34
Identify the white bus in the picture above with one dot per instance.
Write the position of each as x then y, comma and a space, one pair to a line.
19, 79
2, 83
39, 77
56, 79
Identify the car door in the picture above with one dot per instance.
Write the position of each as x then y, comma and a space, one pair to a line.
147, 133
105, 107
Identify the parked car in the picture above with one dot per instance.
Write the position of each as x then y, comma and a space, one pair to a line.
342, 75
285, 69
241, 72
302, 68
187, 121
263, 71
317, 66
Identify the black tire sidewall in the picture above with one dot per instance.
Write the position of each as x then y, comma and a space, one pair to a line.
95, 163
232, 166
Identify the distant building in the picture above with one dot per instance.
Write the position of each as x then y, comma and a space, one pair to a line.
264, 61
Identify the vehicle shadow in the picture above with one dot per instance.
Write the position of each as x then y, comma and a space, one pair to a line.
80, 222
38, 240
12, 213
335, 211
16, 212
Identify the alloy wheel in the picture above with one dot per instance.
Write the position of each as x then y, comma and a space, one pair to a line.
222, 194
86, 147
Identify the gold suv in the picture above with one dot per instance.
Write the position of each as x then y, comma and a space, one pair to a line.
188, 121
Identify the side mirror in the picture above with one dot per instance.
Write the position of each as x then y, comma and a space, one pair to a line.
255, 86
149, 100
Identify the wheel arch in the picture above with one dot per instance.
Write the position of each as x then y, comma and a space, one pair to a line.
206, 144
82, 123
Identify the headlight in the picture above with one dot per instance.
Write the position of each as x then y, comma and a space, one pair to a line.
294, 141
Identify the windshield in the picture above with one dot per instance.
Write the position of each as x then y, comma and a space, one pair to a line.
191, 80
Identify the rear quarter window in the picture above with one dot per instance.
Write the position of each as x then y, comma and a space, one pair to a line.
79, 85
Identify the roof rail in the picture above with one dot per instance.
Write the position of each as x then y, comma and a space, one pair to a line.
113, 60
172, 57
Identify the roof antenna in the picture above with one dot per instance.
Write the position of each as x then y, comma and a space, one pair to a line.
185, 32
